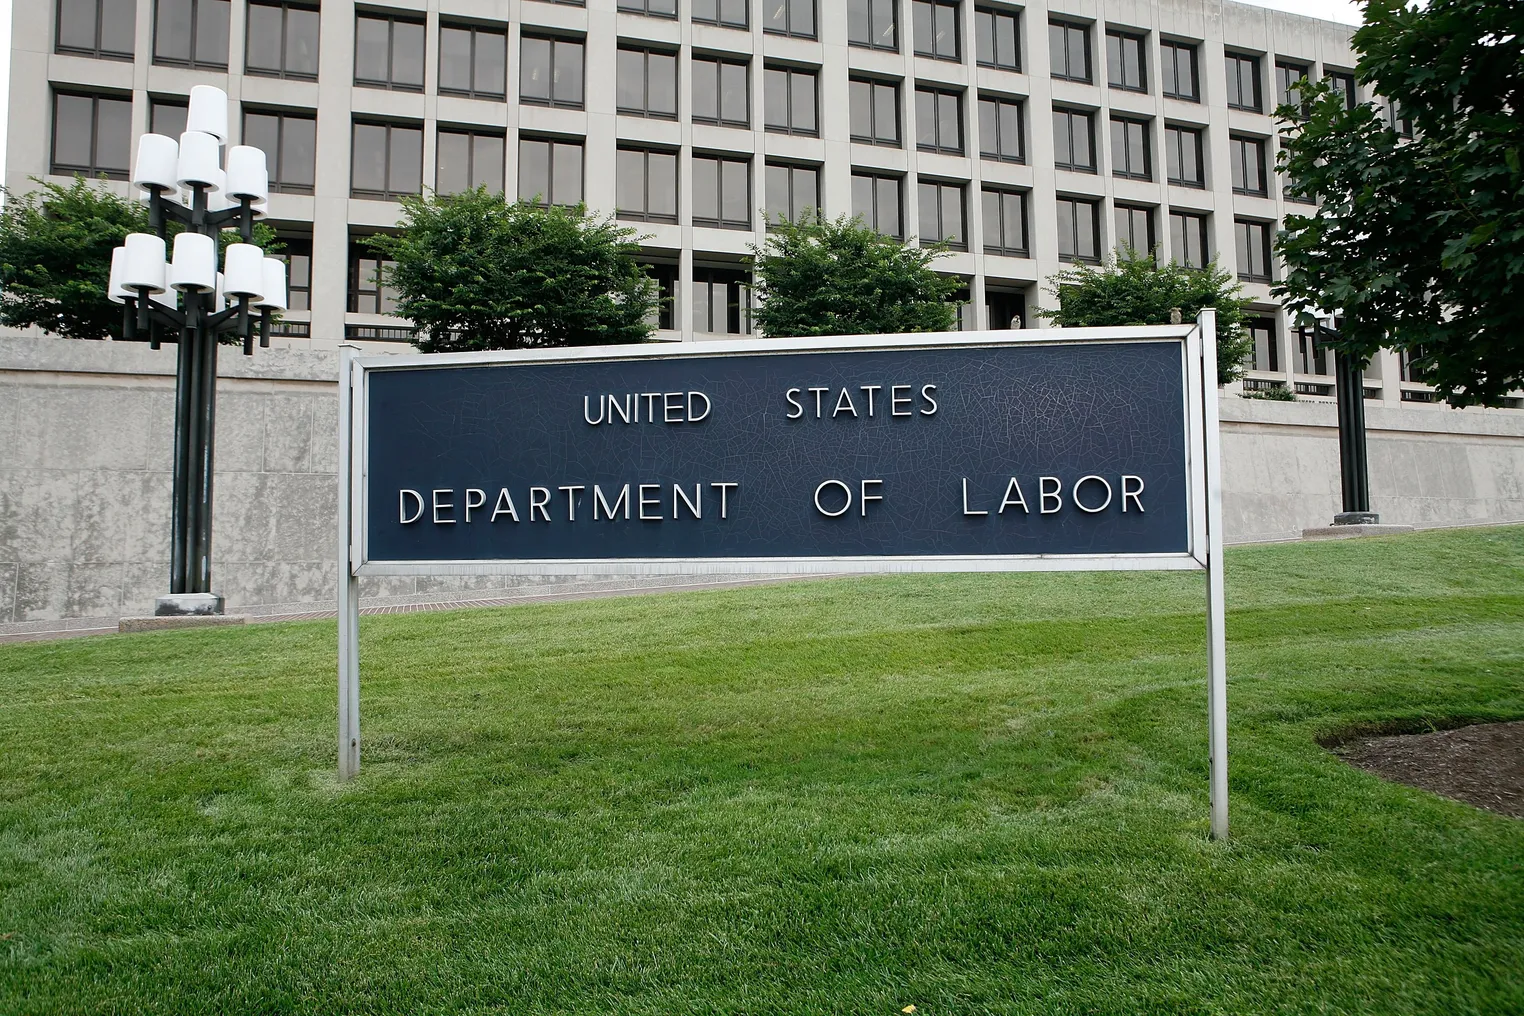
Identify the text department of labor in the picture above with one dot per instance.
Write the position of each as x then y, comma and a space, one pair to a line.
832, 497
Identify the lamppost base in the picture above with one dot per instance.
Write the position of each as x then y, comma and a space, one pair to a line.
189, 605
1357, 519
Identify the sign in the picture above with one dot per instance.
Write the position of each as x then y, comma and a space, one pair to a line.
951, 452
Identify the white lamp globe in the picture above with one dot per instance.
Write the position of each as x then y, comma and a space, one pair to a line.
208, 113
143, 263
157, 164
198, 159
243, 271
248, 175
274, 296
115, 291
195, 265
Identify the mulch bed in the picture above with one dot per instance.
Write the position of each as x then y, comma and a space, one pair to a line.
1481, 765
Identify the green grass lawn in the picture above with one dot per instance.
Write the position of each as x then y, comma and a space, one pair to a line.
973, 794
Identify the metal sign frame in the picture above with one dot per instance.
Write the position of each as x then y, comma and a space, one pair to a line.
1203, 501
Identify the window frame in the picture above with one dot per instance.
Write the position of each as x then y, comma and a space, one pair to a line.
645, 52
1000, 101
1259, 322
550, 165
1120, 207
555, 41
719, 15
275, 163
705, 278
1238, 144
156, 103
1203, 231
1346, 84
193, 61
1200, 135
1235, 60
721, 62
389, 193
957, 33
1140, 39
879, 178
789, 72
1001, 248
994, 14
874, 84
876, 8
392, 21
1071, 26
791, 168
355, 256
1147, 131
960, 188
1283, 94
1169, 71
285, 7
98, 51
94, 170
646, 215
790, 7
938, 93
644, 9
475, 91
1070, 113
1264, 248
297, 247
1094, 204
471, 132
720, 159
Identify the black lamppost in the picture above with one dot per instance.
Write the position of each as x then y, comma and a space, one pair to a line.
181, 301
1354, 468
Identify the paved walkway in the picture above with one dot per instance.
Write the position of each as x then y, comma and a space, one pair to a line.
76, 627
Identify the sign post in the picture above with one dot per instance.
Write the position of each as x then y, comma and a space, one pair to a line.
1058, 449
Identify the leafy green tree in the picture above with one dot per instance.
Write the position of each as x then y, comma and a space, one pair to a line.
474, 271
1130, 289
1418, 243
818, 276
55, 257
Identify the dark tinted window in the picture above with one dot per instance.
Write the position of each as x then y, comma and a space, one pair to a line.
646, 83
1130, 155
1188, 238
1069, 50
789, 17
877, 201
168, 116
370, 291
550, 172
720, 92
875, 112
936, 29
1125, 64
101, 28
191, 33
726, 13
1178, 71
1182, 156
1243, 82
550, 72
1074, 140
1005, 223
281, 40
1001, 131
654, 8
791, 190
389, 53
1134, 228
997, 38
387, 161
939, 121
473, 61
92, 135
1248, 160
1079, 235
872, 23
468, 159
645, 184
1288, 80
1253, 249
940, 206
290, 146
788, 100
721, 192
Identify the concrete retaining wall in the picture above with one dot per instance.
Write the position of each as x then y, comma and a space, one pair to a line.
85, 437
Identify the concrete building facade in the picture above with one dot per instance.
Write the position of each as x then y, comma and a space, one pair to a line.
1029, 135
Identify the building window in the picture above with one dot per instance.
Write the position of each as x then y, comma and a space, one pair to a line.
388, 53
550, 72
370, 292
1188, 238
1001, 132
1074, 140
1183, 156
790, 17
467, 160
1079, 232
1005, 309
387, 160
1252, 240
1125, 64
788, 101
871, 23
650, 8
1344, 85
721, 301
1243, 82
282, 40
645, 184
168, 116
721, 192
1005, 222
941, 213
550, 172
290, 146
1266, 355
191, 33
1135, 229
1248, 157
1130, 155
1179, 72
98, 28
936, 29
938, 121
92, 135
473, 61
997, 39
791, 190
647, 83
1069, 50
1392, 112
721, 94
664, 314
296, 252
877, 200
875, 112
1289, 80
1312, 356
725, 13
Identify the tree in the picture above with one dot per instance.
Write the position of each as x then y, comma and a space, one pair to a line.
1131, 289
819, 276
474, 272
55, 257
1418, 243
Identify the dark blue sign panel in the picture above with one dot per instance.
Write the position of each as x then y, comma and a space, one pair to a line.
1068, 448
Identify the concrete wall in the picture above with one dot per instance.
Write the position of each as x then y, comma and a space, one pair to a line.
85, 436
